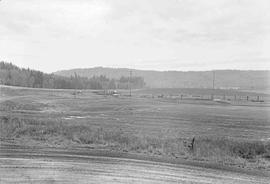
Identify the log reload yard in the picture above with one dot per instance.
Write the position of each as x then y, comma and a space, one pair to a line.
60, 136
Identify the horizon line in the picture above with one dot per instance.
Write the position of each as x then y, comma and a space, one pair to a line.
155, 70
136, 69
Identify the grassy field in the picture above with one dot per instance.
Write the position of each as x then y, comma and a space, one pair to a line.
227, 133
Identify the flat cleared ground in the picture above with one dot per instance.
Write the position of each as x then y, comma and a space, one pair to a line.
187, 118
138, 115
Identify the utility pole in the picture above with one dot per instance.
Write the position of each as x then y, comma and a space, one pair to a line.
76, 79
214, 76
130, 74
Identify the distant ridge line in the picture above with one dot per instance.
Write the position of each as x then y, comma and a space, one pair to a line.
231, 78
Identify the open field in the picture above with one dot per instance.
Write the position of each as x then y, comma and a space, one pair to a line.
231, 134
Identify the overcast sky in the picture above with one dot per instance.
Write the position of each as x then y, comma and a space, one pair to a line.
51, 35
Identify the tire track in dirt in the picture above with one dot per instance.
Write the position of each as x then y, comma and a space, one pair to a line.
29, 166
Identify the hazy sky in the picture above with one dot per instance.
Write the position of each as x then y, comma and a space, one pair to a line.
50, 35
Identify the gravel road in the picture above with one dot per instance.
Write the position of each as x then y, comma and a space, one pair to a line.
30, 166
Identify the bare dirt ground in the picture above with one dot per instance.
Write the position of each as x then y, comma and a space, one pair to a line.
25, 165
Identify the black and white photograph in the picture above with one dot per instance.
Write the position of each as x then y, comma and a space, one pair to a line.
134, 91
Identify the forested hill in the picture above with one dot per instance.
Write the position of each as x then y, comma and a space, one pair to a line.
177, 79
15, 76
111, 78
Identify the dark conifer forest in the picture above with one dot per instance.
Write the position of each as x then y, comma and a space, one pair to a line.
15, 76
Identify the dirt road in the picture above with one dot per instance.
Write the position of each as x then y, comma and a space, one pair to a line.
24, 165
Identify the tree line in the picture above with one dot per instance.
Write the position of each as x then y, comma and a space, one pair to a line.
15, 76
